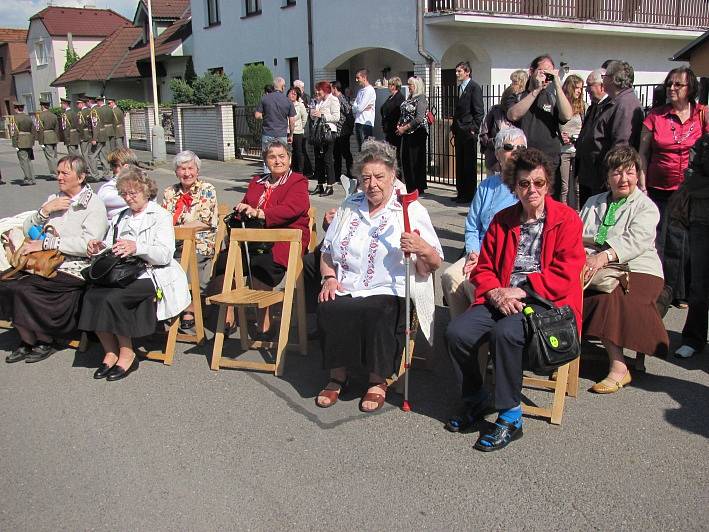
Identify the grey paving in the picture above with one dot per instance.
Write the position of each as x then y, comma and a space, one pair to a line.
185, 448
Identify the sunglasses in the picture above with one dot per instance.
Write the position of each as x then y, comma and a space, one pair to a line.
526, 183
512, 147
671, 84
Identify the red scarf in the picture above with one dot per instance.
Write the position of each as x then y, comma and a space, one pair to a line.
185, 202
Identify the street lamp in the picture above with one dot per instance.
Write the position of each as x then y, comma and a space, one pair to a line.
158, 133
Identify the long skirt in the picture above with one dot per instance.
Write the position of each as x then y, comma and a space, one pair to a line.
44, 305
363, 332
129, 311
629, 320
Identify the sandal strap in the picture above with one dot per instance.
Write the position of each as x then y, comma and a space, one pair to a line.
341, 384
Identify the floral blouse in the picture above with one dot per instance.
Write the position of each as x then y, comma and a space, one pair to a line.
199, 205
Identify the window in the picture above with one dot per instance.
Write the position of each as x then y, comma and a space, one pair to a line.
2, 68
29, 103
253, 7
213, 12
216, 70
40, 53
46, 96
288, 3
293, 69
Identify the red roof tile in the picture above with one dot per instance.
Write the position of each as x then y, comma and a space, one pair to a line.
12, 35
23, 67
104, 58
80, 22
168, 8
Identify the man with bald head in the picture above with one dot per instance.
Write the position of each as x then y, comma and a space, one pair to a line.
278, 115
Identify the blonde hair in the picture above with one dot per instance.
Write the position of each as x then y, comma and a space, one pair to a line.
419, 87
396, 81
133, 174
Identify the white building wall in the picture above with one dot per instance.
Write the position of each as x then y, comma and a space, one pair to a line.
23, 85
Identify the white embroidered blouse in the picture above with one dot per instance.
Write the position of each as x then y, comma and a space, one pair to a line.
366, 250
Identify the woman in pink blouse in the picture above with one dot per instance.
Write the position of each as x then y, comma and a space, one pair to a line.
668, 134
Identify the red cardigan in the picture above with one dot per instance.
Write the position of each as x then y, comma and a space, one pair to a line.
287, 209
562, 257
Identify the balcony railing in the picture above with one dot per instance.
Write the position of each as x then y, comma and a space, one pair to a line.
692, 14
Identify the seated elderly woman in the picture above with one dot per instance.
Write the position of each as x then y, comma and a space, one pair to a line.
492, 196
534, 244
619, 229
361, 311
41, 308
276, 200
143, 230
193, 203
117, 159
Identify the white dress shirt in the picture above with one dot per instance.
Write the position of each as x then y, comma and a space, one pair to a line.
366, 96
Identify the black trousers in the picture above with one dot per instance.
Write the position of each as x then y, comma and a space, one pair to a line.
413, 160
311, 278
694, 333
466, 158
324, 164
362, 132
341, 151
468, 331
299, 153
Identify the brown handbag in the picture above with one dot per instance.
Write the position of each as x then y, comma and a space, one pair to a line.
608, 278
43, 263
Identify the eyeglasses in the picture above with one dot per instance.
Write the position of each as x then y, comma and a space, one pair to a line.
672, 84
526, 183
589, 85
512, 147
130, 193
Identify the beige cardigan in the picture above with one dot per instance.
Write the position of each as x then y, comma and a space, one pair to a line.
632, 237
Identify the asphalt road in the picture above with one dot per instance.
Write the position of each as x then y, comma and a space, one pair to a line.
185, 448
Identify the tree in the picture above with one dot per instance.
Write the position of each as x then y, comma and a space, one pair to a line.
182, 92
253, 79
212, 88
190, 74
71, 58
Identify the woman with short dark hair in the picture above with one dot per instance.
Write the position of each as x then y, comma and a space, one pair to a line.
619, 229
40, 308
534, 244
390, 112
325, 114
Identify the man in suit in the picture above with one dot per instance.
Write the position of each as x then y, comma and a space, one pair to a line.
48, 135
467, 117
21, 130
119, 131
69, 128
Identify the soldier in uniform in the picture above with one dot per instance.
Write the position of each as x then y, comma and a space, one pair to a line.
69, 128
21, 131
119, 140
47, 128
98, 139
107, 119
87, 142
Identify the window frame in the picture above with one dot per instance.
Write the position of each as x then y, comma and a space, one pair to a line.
252, 8
212, 19
40, 44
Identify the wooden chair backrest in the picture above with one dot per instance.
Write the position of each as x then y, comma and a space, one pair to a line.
313, 227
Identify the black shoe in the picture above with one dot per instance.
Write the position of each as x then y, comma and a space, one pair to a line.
499, 437
471, 415
318, 190
102, 371
27, 183
329, 191
186, 324
117, 373
19, 354
40, 352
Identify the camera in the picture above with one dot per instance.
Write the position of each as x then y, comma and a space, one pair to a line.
548, 76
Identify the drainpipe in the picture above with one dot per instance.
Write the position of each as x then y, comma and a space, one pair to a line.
420, 9
311, 65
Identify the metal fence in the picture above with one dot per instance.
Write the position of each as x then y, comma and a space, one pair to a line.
247, 132
441, 153
168, 124
138, 125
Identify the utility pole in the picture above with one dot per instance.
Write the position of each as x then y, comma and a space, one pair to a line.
158, 133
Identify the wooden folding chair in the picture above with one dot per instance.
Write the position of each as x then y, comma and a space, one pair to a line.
313, 227
81, 344
188, 261
236, 293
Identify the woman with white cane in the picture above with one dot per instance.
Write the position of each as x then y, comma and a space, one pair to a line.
362, 311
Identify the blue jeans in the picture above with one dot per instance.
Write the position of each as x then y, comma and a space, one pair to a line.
362, 132
265, 139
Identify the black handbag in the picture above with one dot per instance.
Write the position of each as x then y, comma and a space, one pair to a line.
111, 271
551, 335
234, 220
320, 134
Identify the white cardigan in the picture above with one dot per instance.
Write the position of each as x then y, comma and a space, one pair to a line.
156, 246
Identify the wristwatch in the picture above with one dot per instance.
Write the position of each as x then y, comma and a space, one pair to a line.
609, 254
325, 278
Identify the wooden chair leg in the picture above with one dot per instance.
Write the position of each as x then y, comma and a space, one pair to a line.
243, 328
572, 389
218, 339
168, 355
557, 407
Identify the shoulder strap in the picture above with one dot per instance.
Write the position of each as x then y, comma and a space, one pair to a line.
115, 227
531, 294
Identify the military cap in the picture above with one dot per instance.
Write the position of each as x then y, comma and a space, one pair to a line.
44, 101
65, 100
17, 104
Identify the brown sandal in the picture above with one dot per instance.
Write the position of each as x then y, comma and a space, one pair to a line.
331, 395
373, 397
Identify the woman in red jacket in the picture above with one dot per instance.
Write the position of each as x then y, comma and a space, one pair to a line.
535, 243
279, 199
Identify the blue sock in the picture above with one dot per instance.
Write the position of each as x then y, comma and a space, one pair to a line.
512, 415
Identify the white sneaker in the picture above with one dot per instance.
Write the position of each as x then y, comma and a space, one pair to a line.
685, 351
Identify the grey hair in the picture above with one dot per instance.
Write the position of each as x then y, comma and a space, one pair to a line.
276, 144
396, 81
133, 174
621, 73
508, 136
596, 76
185, 157
279, 83
375, 151
299, 83
77, 164
419, 87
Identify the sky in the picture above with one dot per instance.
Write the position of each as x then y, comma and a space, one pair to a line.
16, 13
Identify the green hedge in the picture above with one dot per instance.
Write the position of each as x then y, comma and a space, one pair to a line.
129, 105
